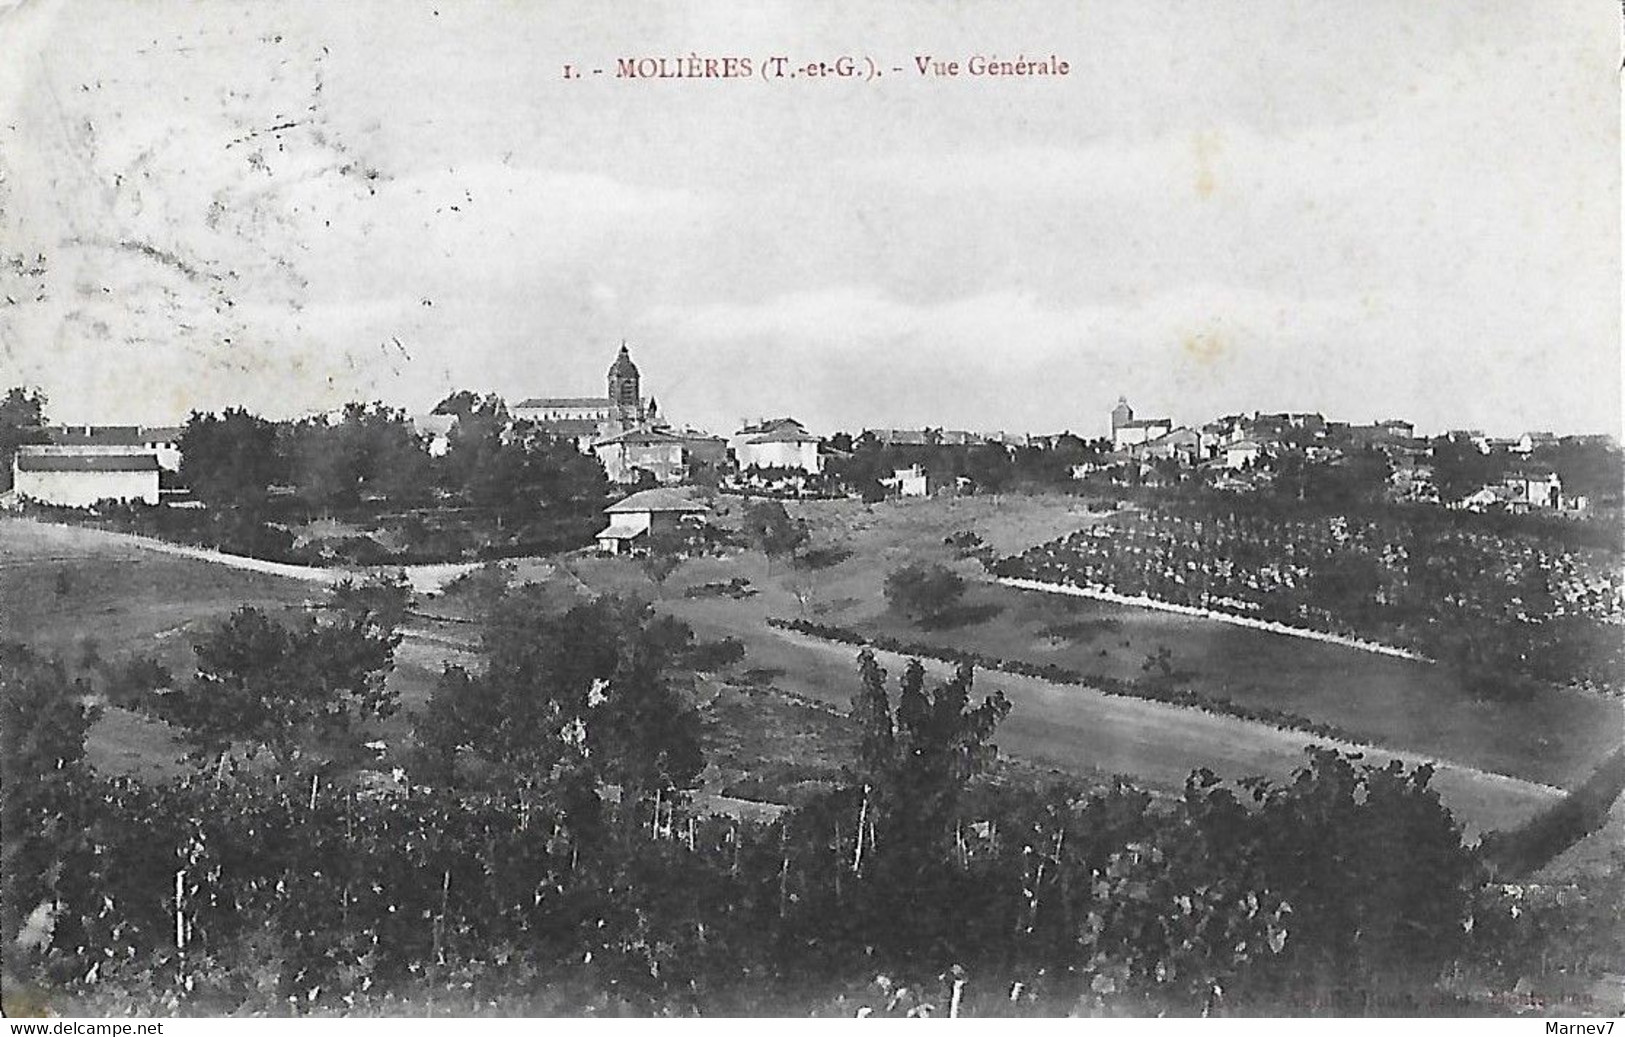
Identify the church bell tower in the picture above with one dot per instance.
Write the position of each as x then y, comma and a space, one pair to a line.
623, 381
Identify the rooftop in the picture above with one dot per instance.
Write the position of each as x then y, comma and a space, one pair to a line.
662, 499
784, 435
550, 402
771, 425
566, 426
639, 437
31, 462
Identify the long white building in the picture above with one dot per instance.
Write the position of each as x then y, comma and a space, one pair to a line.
82, 480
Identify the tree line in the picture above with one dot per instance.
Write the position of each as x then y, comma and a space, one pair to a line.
499, 486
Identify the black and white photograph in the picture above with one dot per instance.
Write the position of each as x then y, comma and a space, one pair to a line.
1105, 509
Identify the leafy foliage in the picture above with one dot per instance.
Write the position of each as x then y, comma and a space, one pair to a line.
915, 759
43, 722
771, 529
917, 883
371, 451
565, 702
231, 459
927, 593
22, 422
278, 686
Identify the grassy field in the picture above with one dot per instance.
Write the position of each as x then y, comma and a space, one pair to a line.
68, 592
779, 716
66, 589
1555, 738
74, 593
1081, 732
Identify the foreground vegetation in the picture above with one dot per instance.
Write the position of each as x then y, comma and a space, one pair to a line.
539, 855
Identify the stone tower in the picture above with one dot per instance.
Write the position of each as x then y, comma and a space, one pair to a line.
623, 381
1122, 414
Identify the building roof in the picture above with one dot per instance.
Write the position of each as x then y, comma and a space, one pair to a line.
555, 402
661, 499
897, 436
638, 437
694, 435
621, 529
1146, 423
94, 435
771, 425
783, 435
623, 367
32, 462
567, 426
1183, 434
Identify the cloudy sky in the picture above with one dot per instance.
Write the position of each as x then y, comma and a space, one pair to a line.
1370, 210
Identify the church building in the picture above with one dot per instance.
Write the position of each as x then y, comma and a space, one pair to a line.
588, 419
1127, 430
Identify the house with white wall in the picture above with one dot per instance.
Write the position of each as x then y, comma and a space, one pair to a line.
651, 512
776, 443
70, 480
912, 481
627, 455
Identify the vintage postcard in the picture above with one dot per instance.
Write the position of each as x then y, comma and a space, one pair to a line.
822, 510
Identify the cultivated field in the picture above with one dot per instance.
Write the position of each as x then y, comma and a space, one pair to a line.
783, 715
1554, 738
1082, 732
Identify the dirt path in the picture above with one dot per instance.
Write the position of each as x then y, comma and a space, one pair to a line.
1059, 725
1077, 728
422, 578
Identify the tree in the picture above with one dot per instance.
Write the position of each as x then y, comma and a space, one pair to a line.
1459, 468
460, 403
1373, 866
914, 762
539, 489
806, 567
230, 460
371, 451
384, 599
1346, 585
566, 701
473, 444
1359, 478
663, 553
928, 594
285, 687
769, 526
43, 723
989, 467
22, 422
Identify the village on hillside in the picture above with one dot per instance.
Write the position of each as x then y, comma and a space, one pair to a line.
825, 511
80, 466
638, 635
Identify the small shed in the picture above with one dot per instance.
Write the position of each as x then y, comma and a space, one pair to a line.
651, 511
